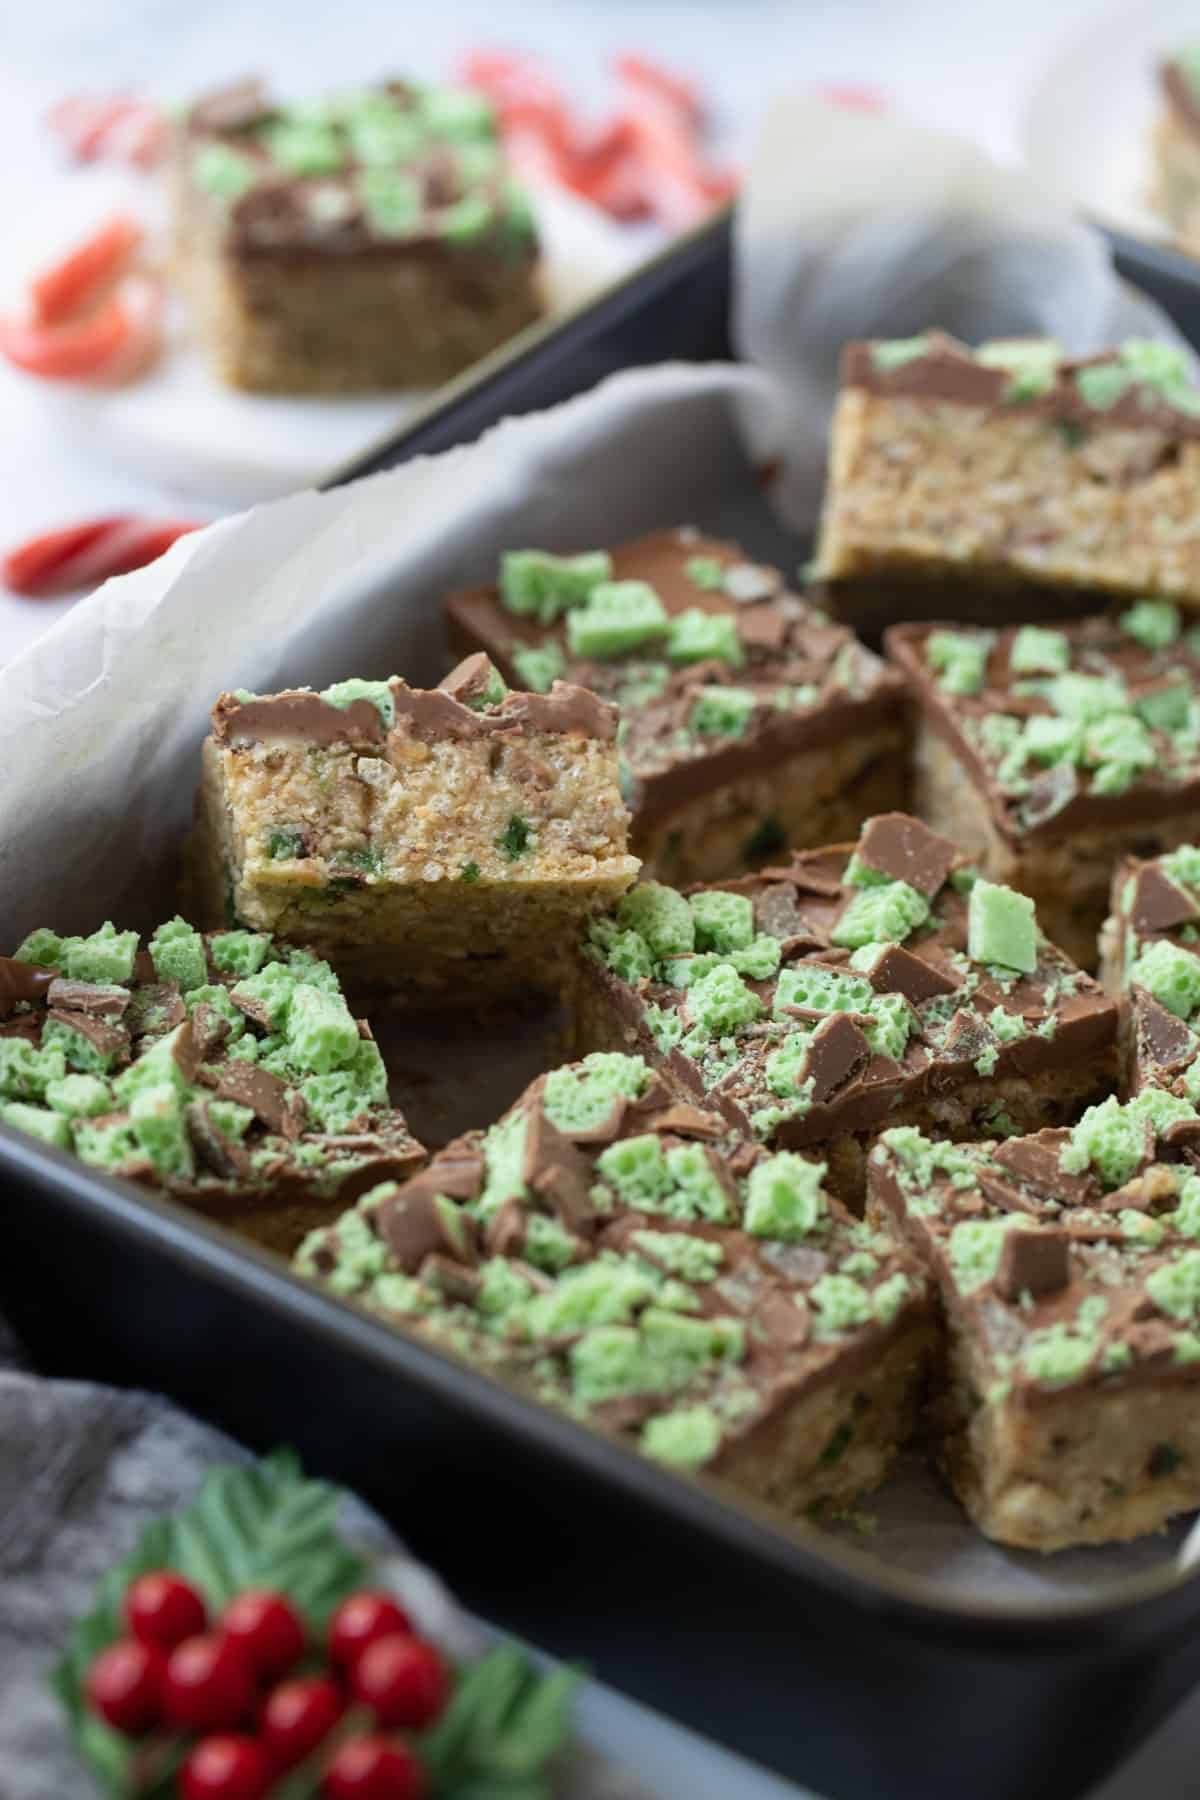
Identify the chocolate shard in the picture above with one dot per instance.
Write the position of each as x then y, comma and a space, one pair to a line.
763, 627
1034, 1160
837, 1052
904, 849
556, 1171
505, 1233
418, 1222
627, 1412
219, 1154
468, 680
279, 1107
1163, 1041
454, 1279
898, 971
1033, 1262
820, 871
460, 1169
156, 1008
108, 1040
684, 1120
783, 1320
209, 1029
103, 1000
1003, 1195
967, 1037
777, 911
1049, 793
20, 981
1157, 903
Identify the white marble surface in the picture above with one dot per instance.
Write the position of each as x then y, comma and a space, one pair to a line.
963, 68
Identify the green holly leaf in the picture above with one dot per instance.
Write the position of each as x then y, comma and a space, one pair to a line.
504, 1725
251, 1525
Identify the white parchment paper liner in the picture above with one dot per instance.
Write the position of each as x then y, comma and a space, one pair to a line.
851, 226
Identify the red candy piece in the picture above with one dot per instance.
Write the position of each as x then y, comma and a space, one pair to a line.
403, 1680
267, 1629
226, 1768
360, 1620
162, 1608
81, 556
299, 1715
67, 352
374, 1768
125, 1686
60, 290
110, 126
208, 1685
647, 160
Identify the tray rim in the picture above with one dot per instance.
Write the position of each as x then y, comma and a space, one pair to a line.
1150, 1603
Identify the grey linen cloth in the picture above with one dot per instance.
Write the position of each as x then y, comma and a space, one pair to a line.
82, 1470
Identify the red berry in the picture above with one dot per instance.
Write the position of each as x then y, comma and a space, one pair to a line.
162, 1608
374, 1768
403, 1680
208, 1685
267, 1629
359, 1620
125, 1685
226, 1768
298, 1716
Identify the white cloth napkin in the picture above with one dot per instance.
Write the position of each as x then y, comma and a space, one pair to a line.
856, 225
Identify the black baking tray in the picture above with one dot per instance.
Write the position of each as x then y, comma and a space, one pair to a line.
802, 1653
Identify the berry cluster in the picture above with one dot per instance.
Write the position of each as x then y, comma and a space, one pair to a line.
262, 1698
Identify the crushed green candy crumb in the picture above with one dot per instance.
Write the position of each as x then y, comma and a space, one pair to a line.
542, 586
721, 711
959, 658
343, 695
538, 667
883, 914
698, 636
616, 617
784, 1197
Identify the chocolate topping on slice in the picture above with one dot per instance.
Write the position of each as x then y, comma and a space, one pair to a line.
434, 713
898, 971
21, 981
102, 999
279, 1107
904, 849
837, 1052
296, 715
1162, 1039
1033, 1262
1158, 904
